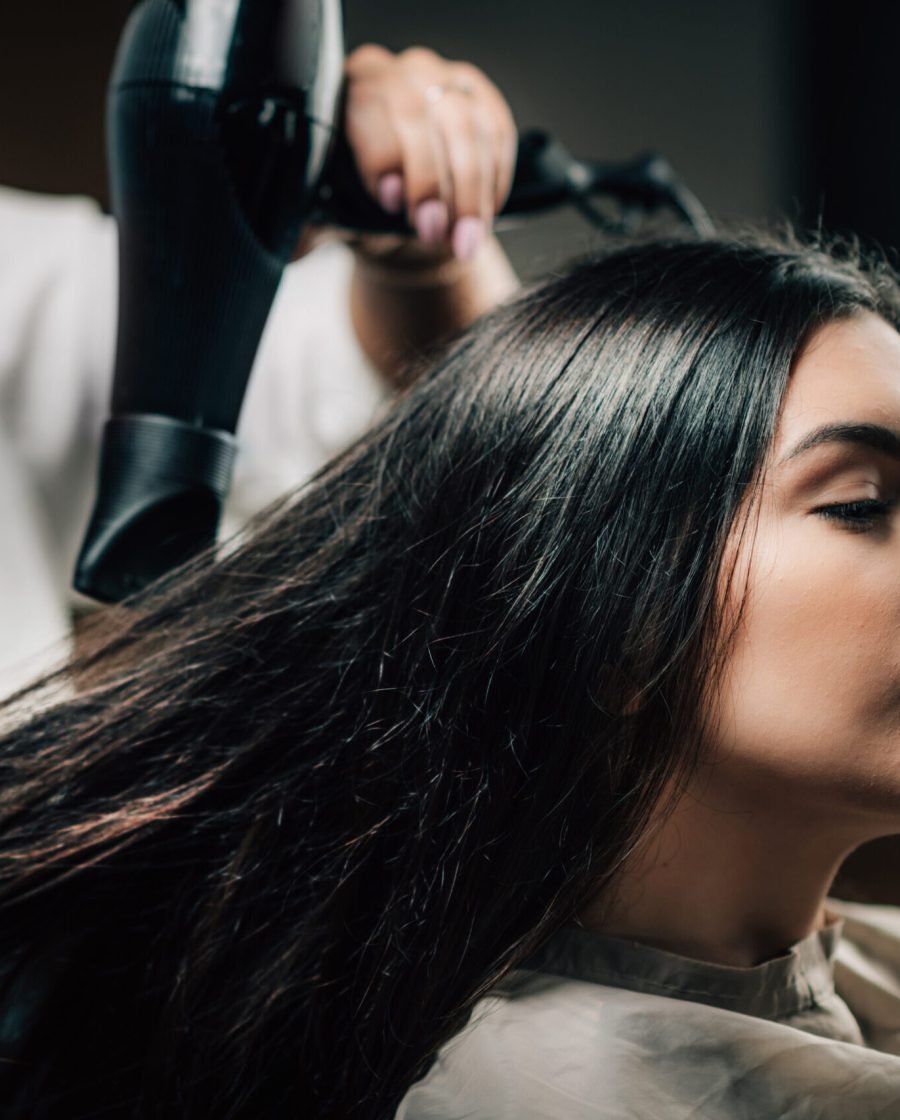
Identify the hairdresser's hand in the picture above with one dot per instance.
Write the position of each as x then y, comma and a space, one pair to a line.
434, 138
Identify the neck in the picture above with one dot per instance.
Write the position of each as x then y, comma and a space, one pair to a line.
727, 878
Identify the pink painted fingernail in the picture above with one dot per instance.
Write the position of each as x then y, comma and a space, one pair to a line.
432, 219
390, 192
468, 233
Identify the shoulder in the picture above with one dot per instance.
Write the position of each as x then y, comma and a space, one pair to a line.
550, 1047
867, 968
544, 1047
869, 930
864, 918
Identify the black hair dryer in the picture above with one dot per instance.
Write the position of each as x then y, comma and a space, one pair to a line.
222, 143
219, 120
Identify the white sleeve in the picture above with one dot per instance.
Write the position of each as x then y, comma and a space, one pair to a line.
57, 310
312, 390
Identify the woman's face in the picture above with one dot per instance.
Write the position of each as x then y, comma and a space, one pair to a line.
809, 705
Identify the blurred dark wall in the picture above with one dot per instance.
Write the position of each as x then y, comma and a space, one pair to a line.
768, 108
54, 63
706, 83
853, 171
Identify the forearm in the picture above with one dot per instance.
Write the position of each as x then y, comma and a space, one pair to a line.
400, 305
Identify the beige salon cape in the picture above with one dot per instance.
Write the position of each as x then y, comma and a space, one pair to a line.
311, 392
598, 1028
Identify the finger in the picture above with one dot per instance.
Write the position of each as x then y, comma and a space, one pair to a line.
372, 137
488, 159
367, 60
470, 231
498, 120
460, 135
473, 171
506, 148
390, 192
397, 154
426, 174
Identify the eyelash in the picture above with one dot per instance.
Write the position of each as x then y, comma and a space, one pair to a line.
858, 517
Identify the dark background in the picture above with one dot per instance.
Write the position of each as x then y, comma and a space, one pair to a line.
769, 109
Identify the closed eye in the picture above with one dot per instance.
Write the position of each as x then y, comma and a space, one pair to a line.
857, 516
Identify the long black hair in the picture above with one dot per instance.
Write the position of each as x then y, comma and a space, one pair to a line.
310, 800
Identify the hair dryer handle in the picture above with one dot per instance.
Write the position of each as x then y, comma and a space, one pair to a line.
545, 177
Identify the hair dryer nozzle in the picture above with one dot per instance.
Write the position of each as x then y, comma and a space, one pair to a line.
162, 487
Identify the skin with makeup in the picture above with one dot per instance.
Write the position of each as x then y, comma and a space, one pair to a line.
805, 765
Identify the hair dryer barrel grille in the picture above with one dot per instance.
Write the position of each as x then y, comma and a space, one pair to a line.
197, 284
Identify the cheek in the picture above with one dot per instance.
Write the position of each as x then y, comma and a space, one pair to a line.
811, 689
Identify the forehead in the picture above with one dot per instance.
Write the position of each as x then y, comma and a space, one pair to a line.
848, 371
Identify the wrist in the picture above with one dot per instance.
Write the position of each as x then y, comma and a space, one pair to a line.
404, 304
406, 263
402, 273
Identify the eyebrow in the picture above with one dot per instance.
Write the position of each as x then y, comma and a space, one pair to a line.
874, 436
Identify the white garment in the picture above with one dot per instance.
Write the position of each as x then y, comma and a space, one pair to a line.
311, 392
602, 1028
